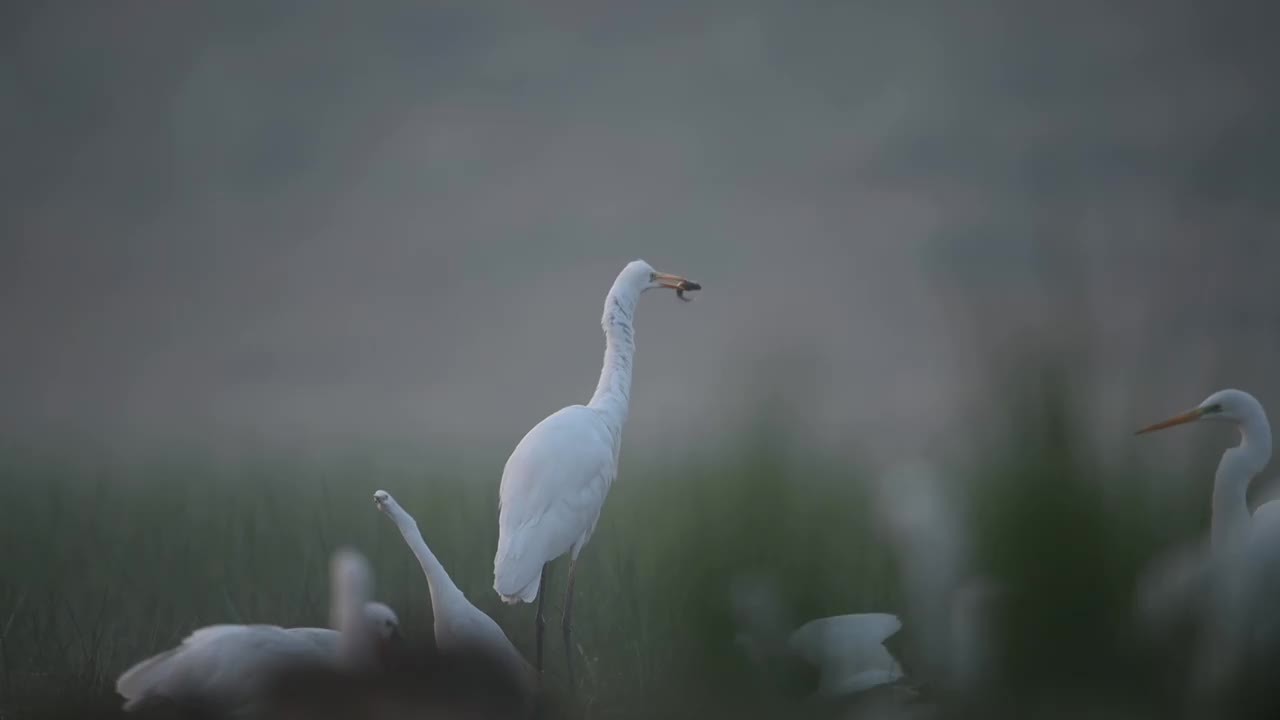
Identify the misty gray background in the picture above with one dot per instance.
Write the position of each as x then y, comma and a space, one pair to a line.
326, 224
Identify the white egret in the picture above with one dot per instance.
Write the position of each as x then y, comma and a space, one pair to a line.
1239, 567
228, 665
554, 484
849, 651
458, 623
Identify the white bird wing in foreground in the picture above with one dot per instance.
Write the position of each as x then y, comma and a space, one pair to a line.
223, 661
849, 651
553, 487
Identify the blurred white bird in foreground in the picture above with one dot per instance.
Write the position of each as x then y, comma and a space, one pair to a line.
847, 650
950, 607
555, 482
1233, 582
226, 667
458, 623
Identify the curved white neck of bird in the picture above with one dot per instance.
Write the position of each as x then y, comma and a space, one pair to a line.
1238, 467
613, 392
443, 592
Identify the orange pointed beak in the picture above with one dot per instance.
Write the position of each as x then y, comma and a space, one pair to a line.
1186, 417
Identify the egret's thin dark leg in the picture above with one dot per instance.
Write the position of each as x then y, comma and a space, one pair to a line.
539, 621
566, 621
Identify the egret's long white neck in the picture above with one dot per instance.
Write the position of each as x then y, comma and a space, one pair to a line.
613, 392
444, 593
1238, 467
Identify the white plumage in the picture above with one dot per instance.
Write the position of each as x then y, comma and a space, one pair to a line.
553, 489
1229, 583
555, 482
228, 666
849, 651
458, 623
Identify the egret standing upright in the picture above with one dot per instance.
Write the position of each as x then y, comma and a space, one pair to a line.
555, 482
1241, 568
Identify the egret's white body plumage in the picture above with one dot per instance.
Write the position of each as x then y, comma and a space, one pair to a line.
457, 623
553, 489
228, 665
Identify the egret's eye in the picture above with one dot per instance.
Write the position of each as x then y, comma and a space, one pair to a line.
1214, 408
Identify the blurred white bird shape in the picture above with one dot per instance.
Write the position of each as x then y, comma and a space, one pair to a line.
1232, 580
458, 623
227, 666
847, 650
950, 607
555, 482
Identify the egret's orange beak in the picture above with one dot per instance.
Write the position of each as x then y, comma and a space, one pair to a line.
677, 283
1186, 417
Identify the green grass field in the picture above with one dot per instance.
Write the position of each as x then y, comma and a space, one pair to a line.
108, 561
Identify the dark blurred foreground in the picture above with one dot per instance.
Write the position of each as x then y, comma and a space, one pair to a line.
419, 682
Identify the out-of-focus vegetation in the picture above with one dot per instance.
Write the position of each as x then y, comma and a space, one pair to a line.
106, 562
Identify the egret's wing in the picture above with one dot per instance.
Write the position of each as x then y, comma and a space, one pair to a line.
220, 661
849, 651
553, 487
1266, 520
1263, 569
323, 640
165, 669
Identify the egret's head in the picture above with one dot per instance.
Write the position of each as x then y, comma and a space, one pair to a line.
639, 274
384, 502
382, 620
1234, 406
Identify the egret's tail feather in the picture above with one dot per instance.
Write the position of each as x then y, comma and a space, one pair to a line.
136, 683
527, 594
517, 570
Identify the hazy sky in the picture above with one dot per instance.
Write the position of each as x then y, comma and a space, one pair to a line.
329, 222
